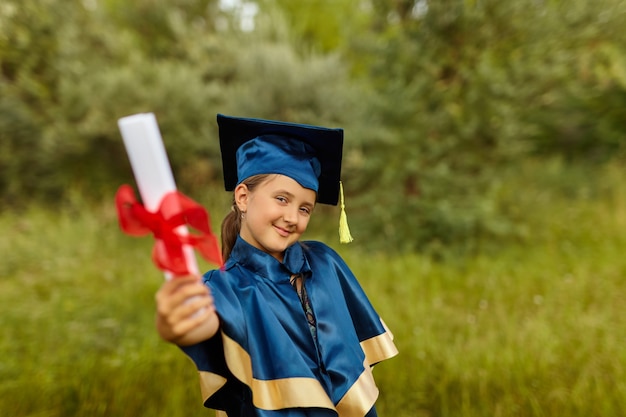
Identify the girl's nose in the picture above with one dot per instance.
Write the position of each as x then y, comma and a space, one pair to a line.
290, 215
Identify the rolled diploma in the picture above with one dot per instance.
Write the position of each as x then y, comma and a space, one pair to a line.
151, 168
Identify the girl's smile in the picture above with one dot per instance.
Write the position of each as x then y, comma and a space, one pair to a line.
282, 232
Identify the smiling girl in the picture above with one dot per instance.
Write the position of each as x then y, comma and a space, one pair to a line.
284, 329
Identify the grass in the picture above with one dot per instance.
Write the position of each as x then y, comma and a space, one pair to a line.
534, 328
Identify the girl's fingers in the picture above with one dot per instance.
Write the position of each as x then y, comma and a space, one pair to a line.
176, 292
185, 311
190, 308
173, 286
185, 326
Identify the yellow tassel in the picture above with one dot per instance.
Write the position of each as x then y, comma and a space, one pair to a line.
344, 230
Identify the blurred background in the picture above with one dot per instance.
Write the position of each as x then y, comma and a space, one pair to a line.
483, 172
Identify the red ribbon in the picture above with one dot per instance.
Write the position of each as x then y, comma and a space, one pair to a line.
175, 210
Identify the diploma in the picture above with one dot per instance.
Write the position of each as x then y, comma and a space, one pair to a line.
151, 168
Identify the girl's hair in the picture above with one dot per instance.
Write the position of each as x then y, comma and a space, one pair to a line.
231, 225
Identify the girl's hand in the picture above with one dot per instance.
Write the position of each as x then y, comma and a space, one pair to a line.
185, 313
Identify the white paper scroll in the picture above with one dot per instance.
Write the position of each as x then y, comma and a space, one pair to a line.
151, 168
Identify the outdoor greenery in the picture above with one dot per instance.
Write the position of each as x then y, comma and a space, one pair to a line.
533, 330
437, 98
483, 169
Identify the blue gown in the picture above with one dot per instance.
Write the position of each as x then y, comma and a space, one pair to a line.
266, 362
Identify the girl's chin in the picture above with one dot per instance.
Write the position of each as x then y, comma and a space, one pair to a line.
278, 248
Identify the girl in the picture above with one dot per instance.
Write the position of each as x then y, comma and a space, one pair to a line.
284, 328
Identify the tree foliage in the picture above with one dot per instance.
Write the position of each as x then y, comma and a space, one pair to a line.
67, 84
438, 99
466, 88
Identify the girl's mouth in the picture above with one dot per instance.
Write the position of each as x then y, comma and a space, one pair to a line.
281, 231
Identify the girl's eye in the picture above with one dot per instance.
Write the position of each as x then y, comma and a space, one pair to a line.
305, 210
281, 199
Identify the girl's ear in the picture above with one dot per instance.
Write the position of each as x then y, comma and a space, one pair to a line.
242, 195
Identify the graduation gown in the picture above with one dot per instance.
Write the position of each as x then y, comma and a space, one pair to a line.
265, 361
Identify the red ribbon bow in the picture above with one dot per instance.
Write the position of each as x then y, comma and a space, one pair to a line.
175, 210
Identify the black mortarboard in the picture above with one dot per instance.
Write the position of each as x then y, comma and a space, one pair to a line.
311, 155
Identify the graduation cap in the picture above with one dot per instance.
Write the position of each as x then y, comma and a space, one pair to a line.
311, 155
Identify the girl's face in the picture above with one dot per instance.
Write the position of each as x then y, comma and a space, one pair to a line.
277, 212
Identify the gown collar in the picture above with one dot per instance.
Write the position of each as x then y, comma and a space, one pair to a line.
264, 264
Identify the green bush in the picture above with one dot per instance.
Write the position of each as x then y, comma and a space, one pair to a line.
463, 91
439, 100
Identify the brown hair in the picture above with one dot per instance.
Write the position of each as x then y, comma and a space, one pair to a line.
231, 225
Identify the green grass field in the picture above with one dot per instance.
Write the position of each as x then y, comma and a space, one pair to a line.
532, 328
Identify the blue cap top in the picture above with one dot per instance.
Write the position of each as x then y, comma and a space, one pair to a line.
271, 154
